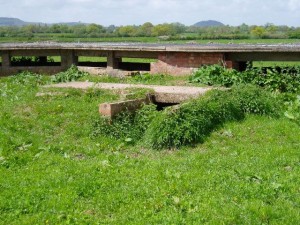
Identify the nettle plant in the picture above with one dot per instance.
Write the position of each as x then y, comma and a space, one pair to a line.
72, 74
280, 79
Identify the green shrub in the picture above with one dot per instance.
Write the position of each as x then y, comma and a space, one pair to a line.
72, 74
215, 75
281, 79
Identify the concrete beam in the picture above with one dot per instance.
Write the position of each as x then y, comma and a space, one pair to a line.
36, 52
147, 55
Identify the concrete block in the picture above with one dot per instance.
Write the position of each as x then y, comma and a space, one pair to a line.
112, 109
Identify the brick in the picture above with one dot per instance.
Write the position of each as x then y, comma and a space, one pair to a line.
181, 63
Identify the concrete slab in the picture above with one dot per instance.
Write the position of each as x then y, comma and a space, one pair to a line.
162, 94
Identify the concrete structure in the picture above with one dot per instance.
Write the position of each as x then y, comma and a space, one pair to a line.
162, 95
175, 59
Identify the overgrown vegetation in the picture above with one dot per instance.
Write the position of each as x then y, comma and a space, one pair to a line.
53, 171
128, 127
190, 122
72, 74
282, 79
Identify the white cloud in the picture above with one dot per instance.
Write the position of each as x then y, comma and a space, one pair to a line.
294, 5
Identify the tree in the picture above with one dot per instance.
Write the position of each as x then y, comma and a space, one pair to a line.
127, 31
162, 30
145, 30
258, 31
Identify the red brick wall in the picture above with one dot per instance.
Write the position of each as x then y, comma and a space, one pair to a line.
182, 63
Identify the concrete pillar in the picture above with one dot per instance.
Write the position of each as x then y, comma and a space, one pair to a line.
68, 58
5, 59
112, 61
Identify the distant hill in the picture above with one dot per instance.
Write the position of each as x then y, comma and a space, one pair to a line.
5, 21
209, 23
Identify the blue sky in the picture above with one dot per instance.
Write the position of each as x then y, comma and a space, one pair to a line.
123, 12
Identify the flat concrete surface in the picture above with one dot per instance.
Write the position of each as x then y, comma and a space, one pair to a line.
163, 94
153, 47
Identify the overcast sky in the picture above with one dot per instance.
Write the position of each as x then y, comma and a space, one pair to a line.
124, 12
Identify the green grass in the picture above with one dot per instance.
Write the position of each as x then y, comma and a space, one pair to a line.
156, 79
274, 63
53, 172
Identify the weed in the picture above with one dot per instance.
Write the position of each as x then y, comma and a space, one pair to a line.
215, 75
282, 79
293, 110
72, 74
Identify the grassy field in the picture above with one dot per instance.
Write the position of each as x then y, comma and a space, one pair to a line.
52, 171
66, 38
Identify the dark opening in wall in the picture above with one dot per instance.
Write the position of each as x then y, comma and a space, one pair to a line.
136, 64
131, 66
128, 64
92, 61
162, 105
22, 61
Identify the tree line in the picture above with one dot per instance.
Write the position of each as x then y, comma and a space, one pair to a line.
166, 30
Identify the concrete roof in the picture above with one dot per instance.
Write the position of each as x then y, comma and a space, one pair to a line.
153, 47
